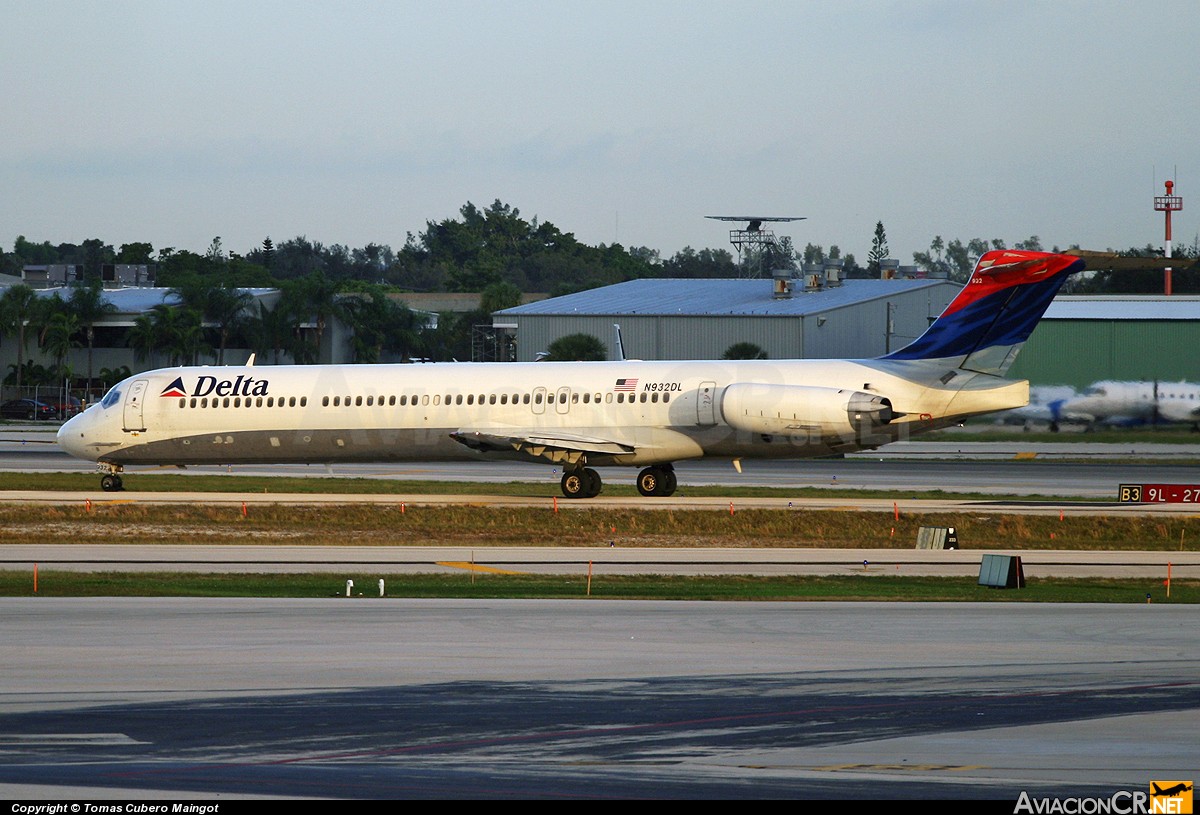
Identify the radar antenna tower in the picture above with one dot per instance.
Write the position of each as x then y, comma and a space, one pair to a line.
753, 243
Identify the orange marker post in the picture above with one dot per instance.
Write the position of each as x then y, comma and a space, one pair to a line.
35, 578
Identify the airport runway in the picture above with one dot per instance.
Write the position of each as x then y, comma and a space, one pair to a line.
184, 699
125, 699
999, 468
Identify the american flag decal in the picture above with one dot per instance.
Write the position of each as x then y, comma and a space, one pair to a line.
625, 385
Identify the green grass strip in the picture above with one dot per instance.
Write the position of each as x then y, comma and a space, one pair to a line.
52, 583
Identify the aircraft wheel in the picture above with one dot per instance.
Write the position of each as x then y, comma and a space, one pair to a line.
670, 483
653, 481
111, 483
594, 484
574, 484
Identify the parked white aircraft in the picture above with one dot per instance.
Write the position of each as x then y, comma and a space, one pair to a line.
1045, 405
579, 415
1115, 402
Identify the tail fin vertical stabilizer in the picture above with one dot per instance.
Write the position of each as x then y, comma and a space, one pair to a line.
985, 326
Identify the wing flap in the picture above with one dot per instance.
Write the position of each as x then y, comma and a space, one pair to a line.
539, 444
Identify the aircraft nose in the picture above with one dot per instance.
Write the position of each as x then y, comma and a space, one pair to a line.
71, 436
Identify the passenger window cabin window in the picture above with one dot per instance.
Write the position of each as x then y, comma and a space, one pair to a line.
193, 401
403, 400
225, 402
503, 398
303, 401
470, 398
391, 401
457, 399
492, 399
537, 398
324, 401
437, 399
358, 401
608, 398
525, 399
182, 402
620, 398
237, 401
666, 397
370, 401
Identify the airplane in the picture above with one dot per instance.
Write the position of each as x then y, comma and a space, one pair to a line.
1170, 791
1045, 405
1117, 402
581, 415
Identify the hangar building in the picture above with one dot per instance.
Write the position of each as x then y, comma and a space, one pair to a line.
1085, 339
700, 319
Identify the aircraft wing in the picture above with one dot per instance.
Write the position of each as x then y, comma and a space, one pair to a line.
538, 443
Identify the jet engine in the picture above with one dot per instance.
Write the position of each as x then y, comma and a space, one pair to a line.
799, 410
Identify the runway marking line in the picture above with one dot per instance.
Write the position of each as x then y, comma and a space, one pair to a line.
919, 767
474, 567
1025, 456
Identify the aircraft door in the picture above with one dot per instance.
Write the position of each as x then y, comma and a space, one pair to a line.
135, 400
706, 413
564, 400
538, 403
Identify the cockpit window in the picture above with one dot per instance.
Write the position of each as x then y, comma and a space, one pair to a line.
111, 398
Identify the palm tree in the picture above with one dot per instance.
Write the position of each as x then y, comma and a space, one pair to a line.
226, 306
270, 330
59, 337
18, 307
89, 305
144, 336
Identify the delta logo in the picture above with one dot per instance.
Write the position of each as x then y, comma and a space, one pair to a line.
1171, 797
212, 386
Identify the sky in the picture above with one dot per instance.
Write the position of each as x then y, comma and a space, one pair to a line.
174, 122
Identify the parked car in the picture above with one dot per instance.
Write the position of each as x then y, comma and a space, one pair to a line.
67, 408
27, 409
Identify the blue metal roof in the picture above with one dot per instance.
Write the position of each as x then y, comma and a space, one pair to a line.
136, 300
1127, 307
742, 297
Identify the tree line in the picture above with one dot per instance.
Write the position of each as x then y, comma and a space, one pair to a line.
493, 250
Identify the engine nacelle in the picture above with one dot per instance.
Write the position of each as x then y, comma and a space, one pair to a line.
797, 410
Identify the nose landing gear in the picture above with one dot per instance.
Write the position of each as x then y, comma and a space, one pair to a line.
111, 480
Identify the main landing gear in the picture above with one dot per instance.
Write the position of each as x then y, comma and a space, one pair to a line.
657, 481
583, 482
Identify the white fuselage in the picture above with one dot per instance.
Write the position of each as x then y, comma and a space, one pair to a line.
628, 413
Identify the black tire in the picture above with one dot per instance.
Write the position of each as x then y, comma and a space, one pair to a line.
110, 483
594, 483
574, 484
650, 482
